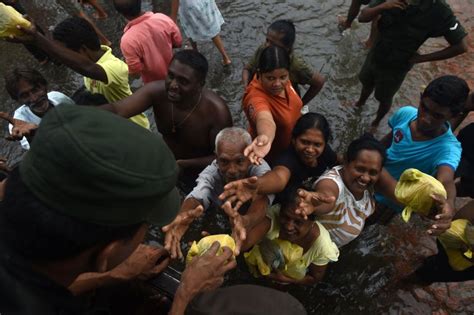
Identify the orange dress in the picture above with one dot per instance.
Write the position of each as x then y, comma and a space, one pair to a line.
285, 112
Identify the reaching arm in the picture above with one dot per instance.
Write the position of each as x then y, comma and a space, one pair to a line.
316, 84
142, 262
240, 191
190, 210
245, 76
262, 144
320, 201
443, 54
136, 103
204, 273
68, 57
446, 210
368, 13
386, 186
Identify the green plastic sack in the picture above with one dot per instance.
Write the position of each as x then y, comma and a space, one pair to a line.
9, 19
199, 248
414, 190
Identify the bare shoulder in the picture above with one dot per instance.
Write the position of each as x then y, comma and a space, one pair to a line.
155, 90
327, 186
217, 106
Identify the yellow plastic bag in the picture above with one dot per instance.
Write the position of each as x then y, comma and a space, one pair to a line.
414, 190
294, 266
199, 248
9, 19
458, 244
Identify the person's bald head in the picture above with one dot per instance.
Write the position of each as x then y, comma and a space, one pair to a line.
130, 9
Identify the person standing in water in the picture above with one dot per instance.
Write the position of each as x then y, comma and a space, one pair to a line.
403, 27
201, 20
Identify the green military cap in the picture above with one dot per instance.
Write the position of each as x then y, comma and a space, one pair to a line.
101, 168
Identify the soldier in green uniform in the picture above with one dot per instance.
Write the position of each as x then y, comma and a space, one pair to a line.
403, 27
77, 208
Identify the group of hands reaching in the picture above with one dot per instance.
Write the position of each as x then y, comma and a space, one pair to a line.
234, 196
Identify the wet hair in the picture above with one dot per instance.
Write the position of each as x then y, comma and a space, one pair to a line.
83, 97
13, 77
273, 57
448, 91
128, 8
312, 121
195, 60
75, 32
287, 29
365, 142
290, 199
233, 135
38, 233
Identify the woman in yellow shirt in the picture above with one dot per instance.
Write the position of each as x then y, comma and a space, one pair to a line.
306, 247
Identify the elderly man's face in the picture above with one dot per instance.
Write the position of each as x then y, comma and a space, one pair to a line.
232, 162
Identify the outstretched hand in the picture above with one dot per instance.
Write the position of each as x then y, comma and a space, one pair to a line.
240, 191
20, 128
239, 233
206, 272
258, 149
443, 218
176, 229
141, 263
28, 33
310, 200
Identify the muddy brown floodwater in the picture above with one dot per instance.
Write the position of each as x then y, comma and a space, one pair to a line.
367, 277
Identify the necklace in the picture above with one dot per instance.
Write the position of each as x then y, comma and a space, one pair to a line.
173, 125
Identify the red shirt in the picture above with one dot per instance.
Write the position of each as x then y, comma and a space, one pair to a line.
147, 45
285, 111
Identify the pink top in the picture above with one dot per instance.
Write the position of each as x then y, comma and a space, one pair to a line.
147, 45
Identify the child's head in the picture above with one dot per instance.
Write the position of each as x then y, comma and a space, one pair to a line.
273, 69
309, 137
281, 33
293, 227
77, 34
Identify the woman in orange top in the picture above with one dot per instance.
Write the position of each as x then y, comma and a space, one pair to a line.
272, 106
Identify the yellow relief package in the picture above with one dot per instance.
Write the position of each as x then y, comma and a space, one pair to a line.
414, 189
9, 19
199, 248
458, 243
294, 264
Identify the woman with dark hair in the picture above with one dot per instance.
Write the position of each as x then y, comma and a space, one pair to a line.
271, 105
347, 191
300, 165
305, 245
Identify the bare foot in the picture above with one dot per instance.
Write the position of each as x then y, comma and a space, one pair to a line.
342, 24
226, 62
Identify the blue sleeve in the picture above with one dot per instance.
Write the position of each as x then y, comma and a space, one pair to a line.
205, 184
405, 113
451, 155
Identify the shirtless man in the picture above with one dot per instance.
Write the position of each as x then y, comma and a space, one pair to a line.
188, 115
